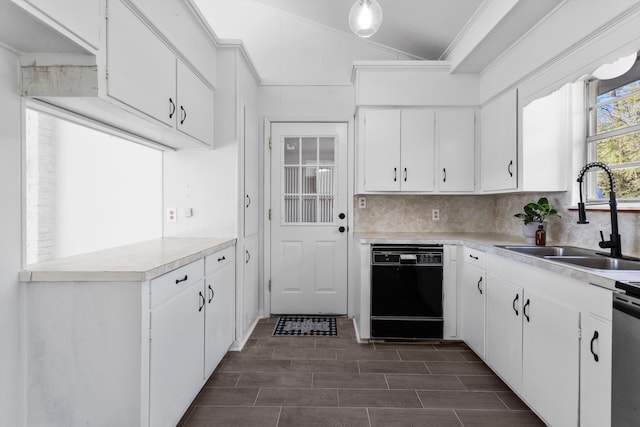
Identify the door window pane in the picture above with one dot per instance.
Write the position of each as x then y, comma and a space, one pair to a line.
292, 151
309, 188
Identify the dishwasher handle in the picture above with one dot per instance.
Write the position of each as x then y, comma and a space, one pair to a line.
626, 307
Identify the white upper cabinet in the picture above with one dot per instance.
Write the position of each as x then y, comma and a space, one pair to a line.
141, 69
397, 150
78, 18
499, 142
417, 154
456, 150
526, 147
381, 145
145, 74
195, 105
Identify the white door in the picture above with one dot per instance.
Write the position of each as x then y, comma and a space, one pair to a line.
309, 218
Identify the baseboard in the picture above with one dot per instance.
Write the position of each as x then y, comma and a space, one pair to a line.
238, 345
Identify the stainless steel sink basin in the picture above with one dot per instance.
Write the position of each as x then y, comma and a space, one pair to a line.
598, 262
544, 251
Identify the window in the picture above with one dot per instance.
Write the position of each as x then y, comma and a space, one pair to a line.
309, 187
613, 136
86, 189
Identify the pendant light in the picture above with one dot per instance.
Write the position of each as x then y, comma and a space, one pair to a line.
616, 68
365, 17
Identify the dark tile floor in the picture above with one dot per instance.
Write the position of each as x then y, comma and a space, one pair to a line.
334, 381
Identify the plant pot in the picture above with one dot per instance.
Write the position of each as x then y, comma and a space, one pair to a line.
529, 231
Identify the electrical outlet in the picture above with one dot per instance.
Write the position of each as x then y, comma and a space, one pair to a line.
435, 214
362, 202
172, 214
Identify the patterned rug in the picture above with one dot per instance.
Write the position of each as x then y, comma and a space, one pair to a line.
306, 325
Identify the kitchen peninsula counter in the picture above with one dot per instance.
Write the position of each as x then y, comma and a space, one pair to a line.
137, 262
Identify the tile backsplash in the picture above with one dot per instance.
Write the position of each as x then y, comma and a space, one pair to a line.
491, 213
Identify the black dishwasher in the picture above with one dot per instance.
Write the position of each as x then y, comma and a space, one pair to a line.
406, 292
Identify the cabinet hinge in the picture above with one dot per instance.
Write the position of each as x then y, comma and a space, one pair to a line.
269, 285
269, 214
579, 333
269, 143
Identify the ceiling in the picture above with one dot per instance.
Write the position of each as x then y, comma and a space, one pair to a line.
422, 28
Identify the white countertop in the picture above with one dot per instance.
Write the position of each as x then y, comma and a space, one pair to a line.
486, 242
131, 263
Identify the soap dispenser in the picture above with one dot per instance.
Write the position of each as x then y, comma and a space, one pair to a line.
541, 236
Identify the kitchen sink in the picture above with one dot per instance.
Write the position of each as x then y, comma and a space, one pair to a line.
544, 251
597, 262
576, 256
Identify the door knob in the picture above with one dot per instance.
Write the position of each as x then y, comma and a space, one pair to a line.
342, 229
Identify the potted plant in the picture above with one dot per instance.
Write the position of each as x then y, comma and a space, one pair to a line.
534, 215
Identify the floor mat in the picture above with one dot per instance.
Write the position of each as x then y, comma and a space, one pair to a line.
306, 325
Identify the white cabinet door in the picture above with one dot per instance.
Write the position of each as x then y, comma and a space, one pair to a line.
595, 372
251, 281
220, 310
176, 355
250, 140
498, 142
456, 155
141, 69
473, 307
551, 354
504, 329
417, 158
381, 145
195, 105
80, 17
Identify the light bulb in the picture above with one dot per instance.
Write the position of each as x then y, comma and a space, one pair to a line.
365, 17
616, 68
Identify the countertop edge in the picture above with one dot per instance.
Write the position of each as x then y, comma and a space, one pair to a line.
40, 273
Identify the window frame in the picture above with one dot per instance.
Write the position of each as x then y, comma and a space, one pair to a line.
592, 139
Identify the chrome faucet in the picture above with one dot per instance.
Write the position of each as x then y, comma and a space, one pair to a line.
614, 238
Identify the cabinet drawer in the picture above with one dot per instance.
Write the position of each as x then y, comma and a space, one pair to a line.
475, 257
172, 283
216, 261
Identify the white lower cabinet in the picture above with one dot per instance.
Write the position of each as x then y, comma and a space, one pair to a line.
595, 372
220, 309
550, 359
176, 352
127, 353
504, 329
472, 292
549, 338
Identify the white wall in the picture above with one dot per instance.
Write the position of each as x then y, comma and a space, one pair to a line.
299, 52
108, 191
11, 387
